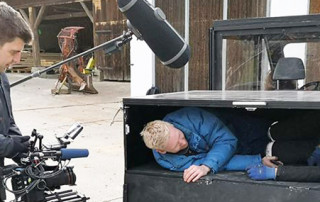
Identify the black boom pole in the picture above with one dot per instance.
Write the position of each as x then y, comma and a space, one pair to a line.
109, 47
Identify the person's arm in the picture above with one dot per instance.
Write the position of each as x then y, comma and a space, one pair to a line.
262, 172
194, 172
298, 173
13, 128
11, 140
285, 173
11, 147
13, 143
243, 162
190, 165
217, 141
6, 146
177, 162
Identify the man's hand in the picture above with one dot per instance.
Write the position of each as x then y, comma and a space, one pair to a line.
193, 173
262, 172
271, 161
18, 157
20, 144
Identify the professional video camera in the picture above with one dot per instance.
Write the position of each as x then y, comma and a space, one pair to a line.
34, 180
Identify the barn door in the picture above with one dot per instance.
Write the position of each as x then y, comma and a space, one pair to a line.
109, 24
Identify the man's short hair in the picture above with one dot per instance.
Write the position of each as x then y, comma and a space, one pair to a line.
156, 134
12, 25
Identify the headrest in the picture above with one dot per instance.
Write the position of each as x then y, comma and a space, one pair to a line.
289, 69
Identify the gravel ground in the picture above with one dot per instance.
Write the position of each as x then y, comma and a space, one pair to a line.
100, 176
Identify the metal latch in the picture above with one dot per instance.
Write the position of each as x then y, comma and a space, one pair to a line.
248, 105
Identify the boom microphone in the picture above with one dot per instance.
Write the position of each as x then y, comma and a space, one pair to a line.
160, 36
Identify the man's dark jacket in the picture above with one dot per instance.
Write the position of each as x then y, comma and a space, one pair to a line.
7, 124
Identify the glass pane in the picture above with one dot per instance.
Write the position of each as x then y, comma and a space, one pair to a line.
246, 64
250, 61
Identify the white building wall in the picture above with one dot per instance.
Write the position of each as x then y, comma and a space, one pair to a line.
142, 66
289, 8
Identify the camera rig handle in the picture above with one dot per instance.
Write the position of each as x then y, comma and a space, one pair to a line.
63, 140
37, 137
57, 151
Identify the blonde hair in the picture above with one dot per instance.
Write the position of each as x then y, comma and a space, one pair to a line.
156, 134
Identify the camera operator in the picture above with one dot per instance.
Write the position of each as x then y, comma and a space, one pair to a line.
14, 34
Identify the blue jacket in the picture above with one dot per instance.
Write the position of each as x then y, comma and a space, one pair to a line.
213, 143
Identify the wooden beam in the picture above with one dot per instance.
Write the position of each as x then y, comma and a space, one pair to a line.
88, 12
39, 17
25, 16
20, 4
35, 42
65, 16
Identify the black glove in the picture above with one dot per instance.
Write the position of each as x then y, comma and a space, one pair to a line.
20, 145
17, 158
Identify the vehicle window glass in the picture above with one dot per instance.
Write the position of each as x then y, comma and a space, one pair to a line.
248, 62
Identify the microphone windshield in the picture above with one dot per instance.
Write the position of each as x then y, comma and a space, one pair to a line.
155, 30
73, 153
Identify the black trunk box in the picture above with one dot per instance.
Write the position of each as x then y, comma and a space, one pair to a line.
145, 180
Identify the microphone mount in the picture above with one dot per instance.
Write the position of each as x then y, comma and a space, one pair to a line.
134, 31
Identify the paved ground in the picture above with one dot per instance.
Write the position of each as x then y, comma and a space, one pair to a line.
100, 176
